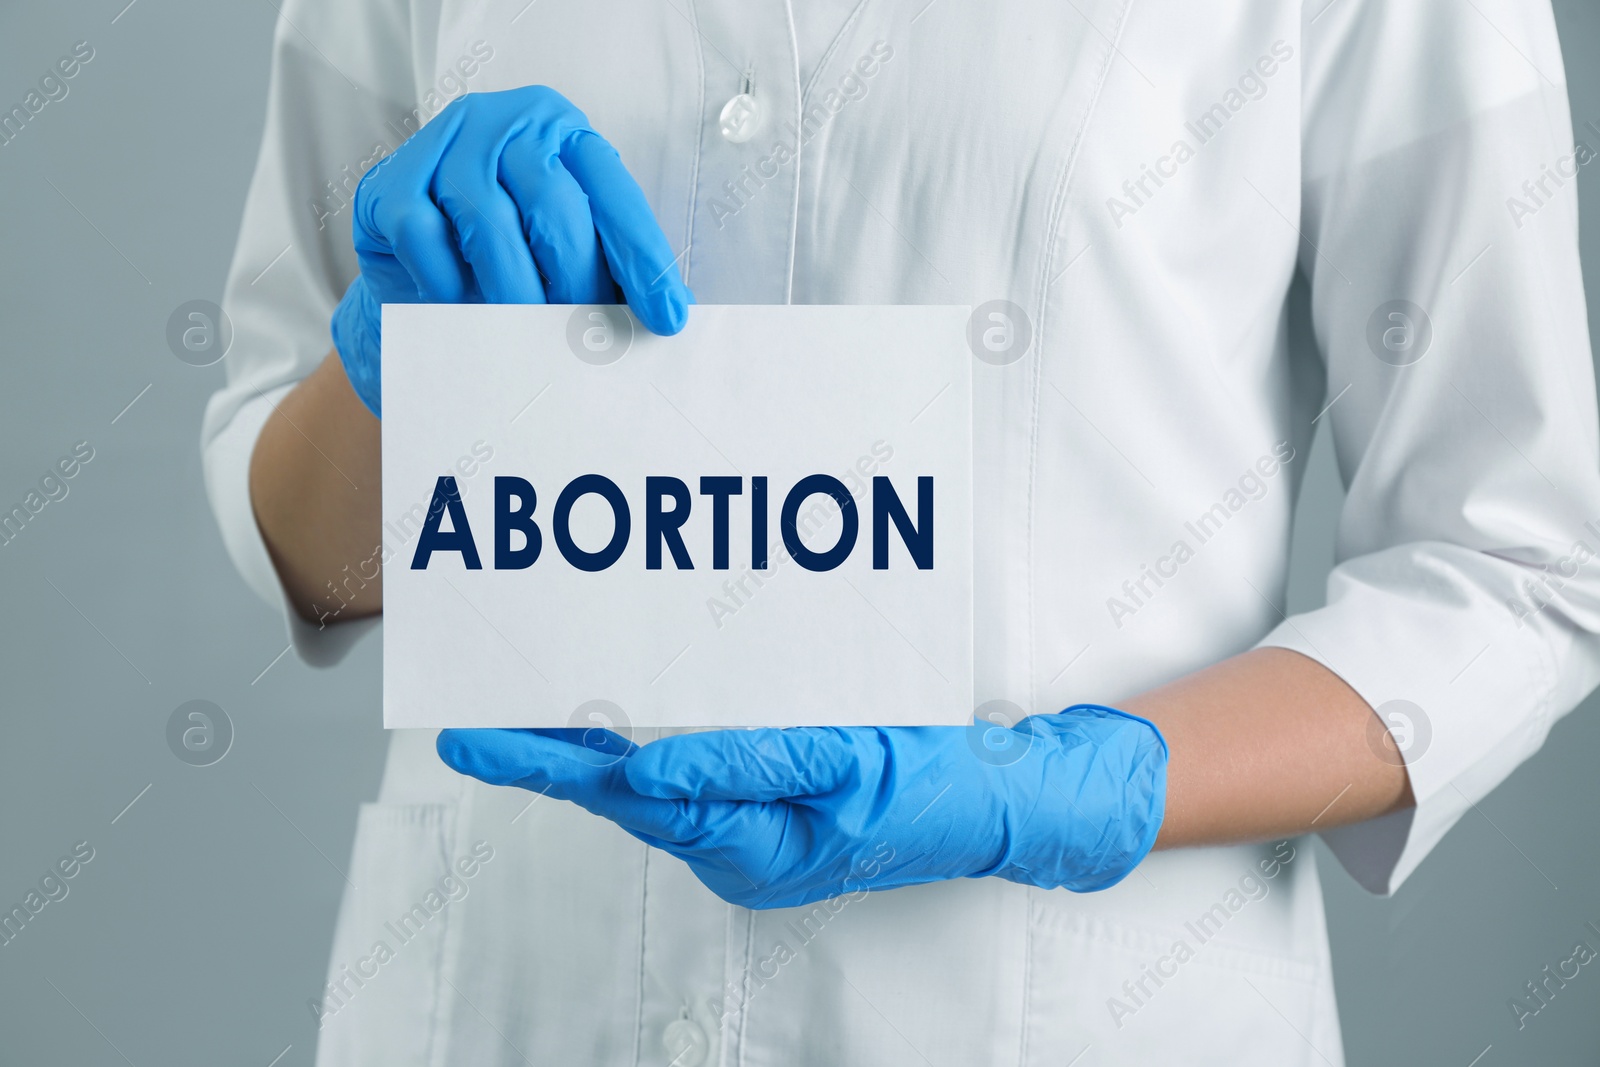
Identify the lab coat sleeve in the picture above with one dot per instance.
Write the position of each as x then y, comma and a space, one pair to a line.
341, 86
1465, 599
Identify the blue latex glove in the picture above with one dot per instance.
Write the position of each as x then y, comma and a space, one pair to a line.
781, 818
504, 198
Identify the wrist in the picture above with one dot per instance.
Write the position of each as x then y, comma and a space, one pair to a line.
1101, 800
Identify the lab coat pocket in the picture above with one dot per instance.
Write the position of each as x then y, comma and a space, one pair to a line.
1137, 996
381, 1003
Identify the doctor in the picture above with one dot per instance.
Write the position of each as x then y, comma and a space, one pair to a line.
1214, 225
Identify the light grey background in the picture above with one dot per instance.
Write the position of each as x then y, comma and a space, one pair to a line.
201, 927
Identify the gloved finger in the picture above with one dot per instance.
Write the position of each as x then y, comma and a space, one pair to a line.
556, 767
488, 228
556, 222
607, 745
637, 252
756, 765
711, 830
425, 245
385, 274
395, 214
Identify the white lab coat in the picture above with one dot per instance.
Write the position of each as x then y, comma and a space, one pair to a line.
1134, 523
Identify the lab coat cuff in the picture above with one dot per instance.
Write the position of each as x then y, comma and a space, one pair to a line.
227, 468
1459, 737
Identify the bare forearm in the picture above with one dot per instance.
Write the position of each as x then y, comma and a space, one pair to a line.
1269, 744
314, 484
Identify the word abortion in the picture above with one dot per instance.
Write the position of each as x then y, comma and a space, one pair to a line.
515, 500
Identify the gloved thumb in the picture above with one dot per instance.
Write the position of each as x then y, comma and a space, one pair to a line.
763, 765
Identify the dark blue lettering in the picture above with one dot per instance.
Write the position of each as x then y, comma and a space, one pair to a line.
622, 522
789, 522
446, 498
918, 539
518, 518
665, 526
758, 523
719, 490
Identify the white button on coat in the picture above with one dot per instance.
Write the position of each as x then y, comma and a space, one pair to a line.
685, 1043
1135, 465
741, 118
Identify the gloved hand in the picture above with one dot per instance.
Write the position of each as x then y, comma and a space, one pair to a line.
780, 818
504, 198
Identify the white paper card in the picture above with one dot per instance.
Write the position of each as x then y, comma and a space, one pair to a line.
875, 398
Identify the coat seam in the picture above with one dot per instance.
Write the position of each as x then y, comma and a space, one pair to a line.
1027, 974
699, 140
638, 999
439, 1025
1053, 219
827, 56
799, 148
725, 1040
1057, 211
744, 992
